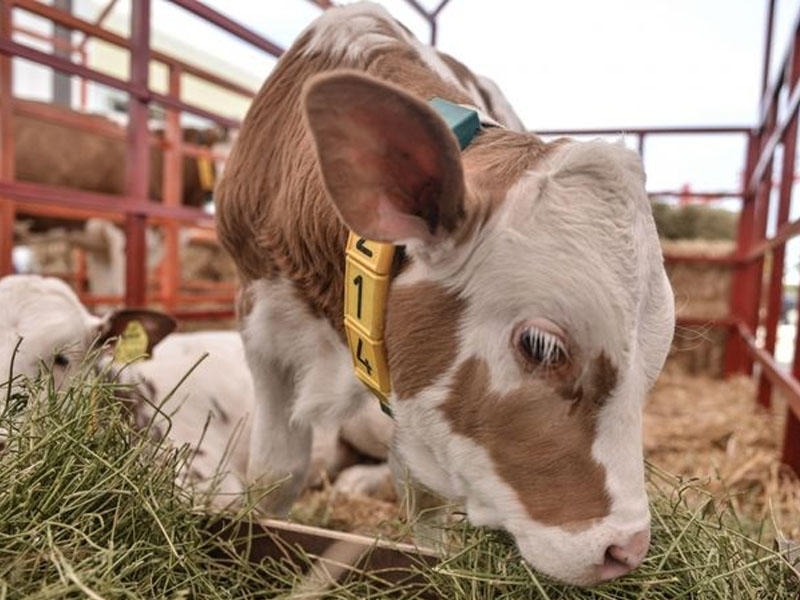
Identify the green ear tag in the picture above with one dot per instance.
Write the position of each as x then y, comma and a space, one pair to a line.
132, 344
463, 122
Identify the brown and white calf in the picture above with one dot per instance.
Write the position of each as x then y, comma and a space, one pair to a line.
525, 323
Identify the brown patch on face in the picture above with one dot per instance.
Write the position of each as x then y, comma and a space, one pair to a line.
421, 335
539, 442
602, 379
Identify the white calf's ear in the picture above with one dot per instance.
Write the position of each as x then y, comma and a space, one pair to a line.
154, 325
390, 164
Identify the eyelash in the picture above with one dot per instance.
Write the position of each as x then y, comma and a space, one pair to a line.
542, 347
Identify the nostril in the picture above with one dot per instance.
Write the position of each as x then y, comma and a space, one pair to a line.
624, 558
613, 567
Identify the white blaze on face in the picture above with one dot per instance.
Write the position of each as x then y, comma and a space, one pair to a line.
555, 457
49, 318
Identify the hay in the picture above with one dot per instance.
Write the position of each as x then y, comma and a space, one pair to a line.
701, 290
94, 511
712, 430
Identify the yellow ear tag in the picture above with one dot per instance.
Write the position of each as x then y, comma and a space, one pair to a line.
368, 267
132, 344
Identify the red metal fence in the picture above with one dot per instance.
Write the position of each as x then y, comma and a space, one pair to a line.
134, 208
777, 127
750, 309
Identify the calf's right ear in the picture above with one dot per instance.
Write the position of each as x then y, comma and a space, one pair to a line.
389, 162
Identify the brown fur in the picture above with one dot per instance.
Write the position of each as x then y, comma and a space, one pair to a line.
421, 331
540, 442
273, 214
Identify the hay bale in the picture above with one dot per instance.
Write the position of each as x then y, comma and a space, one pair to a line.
694, 221
702, 291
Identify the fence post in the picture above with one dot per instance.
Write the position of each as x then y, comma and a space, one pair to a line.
6, 144
172, 194
737, 357
775, 299
138, 173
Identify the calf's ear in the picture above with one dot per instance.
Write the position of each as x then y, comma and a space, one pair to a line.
389, 162
154, 326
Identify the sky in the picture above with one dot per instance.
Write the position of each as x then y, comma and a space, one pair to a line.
568, 64
583, 63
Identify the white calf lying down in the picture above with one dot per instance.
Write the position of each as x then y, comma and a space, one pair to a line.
209, 411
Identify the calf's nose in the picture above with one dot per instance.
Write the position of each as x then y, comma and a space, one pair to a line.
624, 558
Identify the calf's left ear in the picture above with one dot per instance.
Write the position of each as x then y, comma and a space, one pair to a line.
390, 163
153, 324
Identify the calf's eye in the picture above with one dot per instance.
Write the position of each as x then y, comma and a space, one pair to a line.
540, 347
61, 360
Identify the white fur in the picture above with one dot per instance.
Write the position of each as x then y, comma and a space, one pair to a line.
574, 244
210, 411
49, 318
302, 376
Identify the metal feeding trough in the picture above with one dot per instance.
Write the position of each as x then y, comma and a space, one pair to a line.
325, 557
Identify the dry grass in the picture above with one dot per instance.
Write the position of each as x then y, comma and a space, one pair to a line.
712, 430
91, 509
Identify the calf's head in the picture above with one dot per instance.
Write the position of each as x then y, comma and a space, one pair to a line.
42, 320
524, 332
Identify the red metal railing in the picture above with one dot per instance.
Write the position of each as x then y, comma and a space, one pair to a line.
133, 208
777, 128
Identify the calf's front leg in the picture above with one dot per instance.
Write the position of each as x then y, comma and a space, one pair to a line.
280, 449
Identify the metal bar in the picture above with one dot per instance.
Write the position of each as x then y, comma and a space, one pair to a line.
768, 149
791, 441
736, 357
166, 101
98, 22
170, 274
137, 176
762, 203
41, 199
229, 25
69, 118
705, 195
725, 129
420, 9
767, 46
785, 232
7, 205
775, 294
62, 83
787, 383
439, 8
768, 97
91, 30
12, 48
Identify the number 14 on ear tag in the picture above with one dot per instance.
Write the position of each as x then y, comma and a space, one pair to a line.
367, 268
